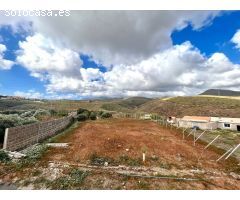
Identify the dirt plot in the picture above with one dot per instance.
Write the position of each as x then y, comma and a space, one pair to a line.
107, 154
122, 141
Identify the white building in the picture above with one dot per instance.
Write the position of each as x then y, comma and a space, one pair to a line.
227, 123
209, 123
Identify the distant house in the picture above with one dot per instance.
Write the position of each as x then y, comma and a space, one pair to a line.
172, 120
209, 123
197, 121
227, 123
146, 116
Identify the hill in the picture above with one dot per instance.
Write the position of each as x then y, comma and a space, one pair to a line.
219, 92
196, 105
175, 106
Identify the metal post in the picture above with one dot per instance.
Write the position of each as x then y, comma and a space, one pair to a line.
232, 151
211, 142
224, 154
200, 135
194, 138
5, 139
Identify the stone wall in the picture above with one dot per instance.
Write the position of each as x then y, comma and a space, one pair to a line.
19, 137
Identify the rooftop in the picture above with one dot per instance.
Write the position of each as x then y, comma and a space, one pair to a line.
197, 118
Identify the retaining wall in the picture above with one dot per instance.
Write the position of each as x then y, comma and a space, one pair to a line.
19, 137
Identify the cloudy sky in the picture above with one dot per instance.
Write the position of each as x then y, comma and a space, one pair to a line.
93, 54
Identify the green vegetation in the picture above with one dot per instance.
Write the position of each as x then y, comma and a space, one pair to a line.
142, 185
93, 116
106, 115
99, 160
4, 157
126, 160
73, 180
84, 114
82, 117
32, 155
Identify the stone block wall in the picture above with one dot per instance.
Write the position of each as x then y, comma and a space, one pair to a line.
19, 137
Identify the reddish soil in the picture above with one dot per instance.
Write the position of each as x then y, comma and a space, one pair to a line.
121, 142
125, 137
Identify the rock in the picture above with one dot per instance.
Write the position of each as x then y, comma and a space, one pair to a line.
235, 176
16, 155
62, 145
127, 149
105, 164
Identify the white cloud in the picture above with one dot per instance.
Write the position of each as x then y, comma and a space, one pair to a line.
138, 47
120, 37
39, 54
236, 39
4, 63
179, 70
31, 94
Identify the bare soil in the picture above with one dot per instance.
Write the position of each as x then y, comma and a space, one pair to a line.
171, 162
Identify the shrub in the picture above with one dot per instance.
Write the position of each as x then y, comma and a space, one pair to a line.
41, 112
53, 112
4, 157
106, 115
87, 113
93, 116
28, 113
62, 113
82, 117
81, 110
100, 113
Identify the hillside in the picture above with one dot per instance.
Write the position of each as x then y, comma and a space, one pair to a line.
219, 92
205, 106
175, 106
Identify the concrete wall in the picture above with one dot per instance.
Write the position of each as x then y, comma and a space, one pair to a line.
23, 136
232, 126
201, 125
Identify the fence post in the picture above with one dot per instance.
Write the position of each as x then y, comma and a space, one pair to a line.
232, 151
5, 139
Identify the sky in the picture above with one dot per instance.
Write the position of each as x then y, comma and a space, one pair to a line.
97, 54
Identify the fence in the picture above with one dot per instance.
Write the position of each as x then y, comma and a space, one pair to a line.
203, 135
19, 137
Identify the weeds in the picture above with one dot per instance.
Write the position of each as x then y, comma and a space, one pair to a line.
31, 156
124, 159
4, 157
143, 185
97, 160
165, 165
75, 179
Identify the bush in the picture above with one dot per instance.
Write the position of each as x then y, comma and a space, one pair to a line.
81, 110
93, 116
106, 115
100, 113
62, 113
28, 113
82, 117
87, 113
41, 112
4, 157
53, 112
